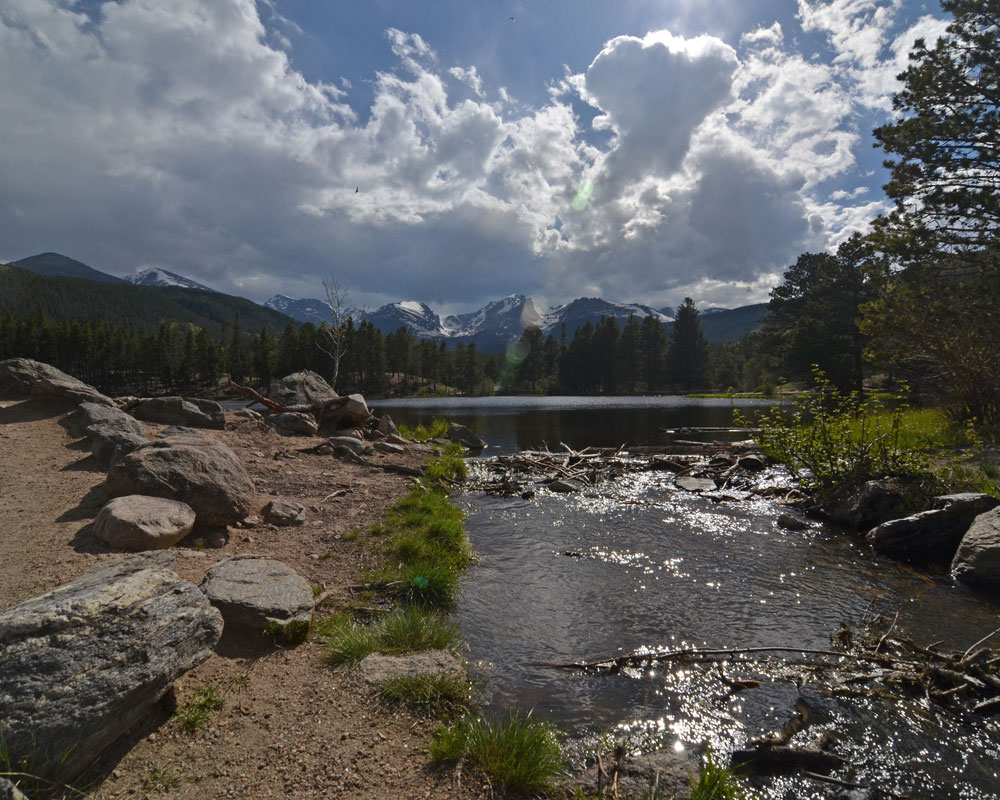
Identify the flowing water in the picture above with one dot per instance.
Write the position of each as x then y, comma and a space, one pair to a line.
641, 564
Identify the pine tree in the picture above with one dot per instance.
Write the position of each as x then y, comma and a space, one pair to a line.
687, 361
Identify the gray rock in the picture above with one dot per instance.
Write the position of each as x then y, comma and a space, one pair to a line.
302, 388
876, 502
791, 523
977, 562
291, 423
562, 487
248, 413
198, 471
190, 411
931, 536
465, 437
18, 375
379, 667
109, 443
284, 513
88, 414
136, 522
692, 484
752, 462
66, 391
261, 596
389, 448
386, 426
84, 663
8, 791
356, 446
179, 432
344, 412
661, 774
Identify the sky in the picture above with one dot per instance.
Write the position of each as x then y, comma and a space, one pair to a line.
449, 151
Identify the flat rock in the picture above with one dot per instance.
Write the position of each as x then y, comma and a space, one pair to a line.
463, 436
198, 471
136, 522
189, 411
389, 448
248, 413
284, 513
261, 596
977, 562
291, 423
83, 664
562, 487
351, 443
18, 375
790, 522
932, 536
691, 484
379, 667
302, 388
66, 391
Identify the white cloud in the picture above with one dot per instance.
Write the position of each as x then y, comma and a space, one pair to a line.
181, 133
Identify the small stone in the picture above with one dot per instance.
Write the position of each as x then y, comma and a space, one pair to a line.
691, 484
791, 523
284, 513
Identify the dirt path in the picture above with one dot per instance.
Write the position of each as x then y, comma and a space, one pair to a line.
290, 726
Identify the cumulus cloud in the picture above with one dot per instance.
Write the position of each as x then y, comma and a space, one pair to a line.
180, 135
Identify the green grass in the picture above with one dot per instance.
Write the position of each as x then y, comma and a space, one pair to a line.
436, 430
520, 753
715, 782
403, 631
197, 712
432, 694
424, 549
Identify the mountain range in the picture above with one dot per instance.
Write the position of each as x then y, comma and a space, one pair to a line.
493, 327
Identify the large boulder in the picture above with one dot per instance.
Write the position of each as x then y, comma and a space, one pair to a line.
877, 501
464, 436
261, 596
302, 388
84, 663
344, 412
136, 522
66, 391
931, 536
977, 562
88, 414
110, 442
290, 423
198, 471
18, 375
188, 411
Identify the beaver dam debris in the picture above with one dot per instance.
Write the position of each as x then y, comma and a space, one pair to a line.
697, 466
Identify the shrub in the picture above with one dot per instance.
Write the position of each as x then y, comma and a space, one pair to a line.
834, 443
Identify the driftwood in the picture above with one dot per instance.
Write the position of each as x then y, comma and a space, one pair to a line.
256, 397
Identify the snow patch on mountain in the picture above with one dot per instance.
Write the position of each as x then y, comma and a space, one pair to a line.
162, 277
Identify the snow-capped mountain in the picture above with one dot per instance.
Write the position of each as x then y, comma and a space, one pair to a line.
420, 318
308, 309
591, 309
511, 315
161, 277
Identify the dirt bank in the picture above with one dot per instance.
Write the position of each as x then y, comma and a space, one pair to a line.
290, 726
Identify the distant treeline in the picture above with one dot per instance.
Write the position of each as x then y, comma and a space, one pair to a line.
637, 357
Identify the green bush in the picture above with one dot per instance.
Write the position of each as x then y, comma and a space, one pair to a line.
715, 782
834, 443
520, 753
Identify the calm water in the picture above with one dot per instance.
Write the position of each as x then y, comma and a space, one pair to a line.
658, 567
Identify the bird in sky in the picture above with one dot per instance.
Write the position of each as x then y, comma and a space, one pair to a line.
357, 189
510, 18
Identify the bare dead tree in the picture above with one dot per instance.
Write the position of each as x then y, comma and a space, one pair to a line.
336, 333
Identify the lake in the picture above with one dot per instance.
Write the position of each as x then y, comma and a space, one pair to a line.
642, 564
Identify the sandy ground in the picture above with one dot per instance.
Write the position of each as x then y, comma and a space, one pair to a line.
290, 726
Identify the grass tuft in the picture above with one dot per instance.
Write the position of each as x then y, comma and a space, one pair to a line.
403, 631
436, 430
432, 694
197, 712
715, 782
520, 753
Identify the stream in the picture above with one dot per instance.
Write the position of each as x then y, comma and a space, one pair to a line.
643, 564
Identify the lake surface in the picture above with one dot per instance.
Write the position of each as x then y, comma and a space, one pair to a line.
642, 564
